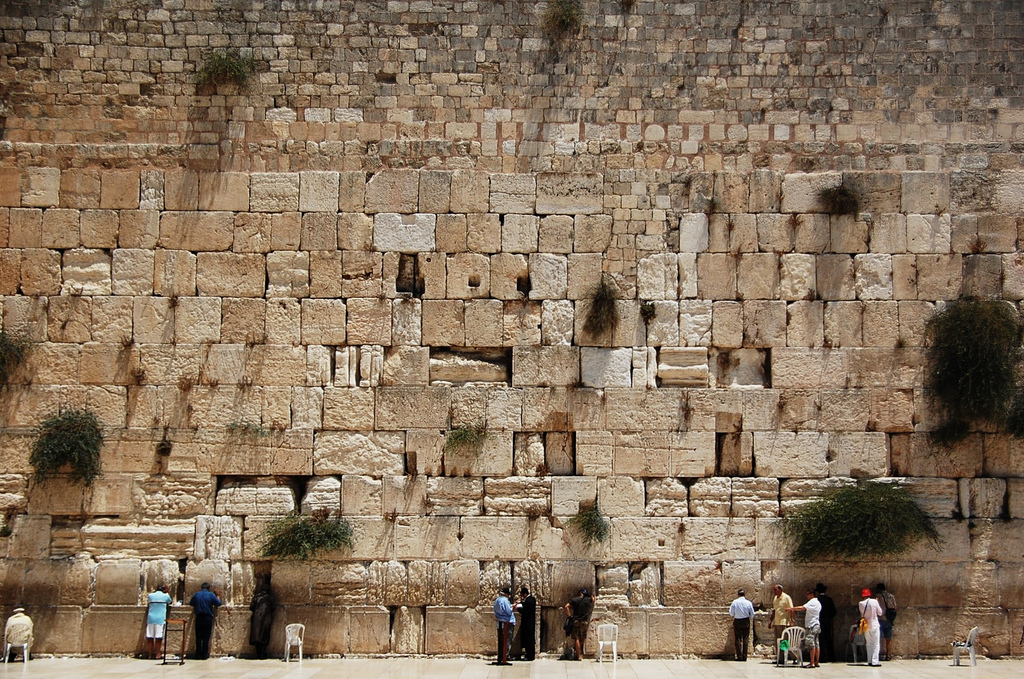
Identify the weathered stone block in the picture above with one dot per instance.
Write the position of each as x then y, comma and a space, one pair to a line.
274, 192
373, 454
392, 191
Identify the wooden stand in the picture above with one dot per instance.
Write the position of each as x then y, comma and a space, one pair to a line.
175, 626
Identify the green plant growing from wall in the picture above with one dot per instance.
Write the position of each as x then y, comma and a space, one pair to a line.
562, 18
647, 311
839, 200
465, 439
70, 439
590, 524
225, 67
603, 313
14, 350
974, 348
304, 536
247, 429
866, 520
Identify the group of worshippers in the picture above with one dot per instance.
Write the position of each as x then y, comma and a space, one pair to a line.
505, 610
877, 613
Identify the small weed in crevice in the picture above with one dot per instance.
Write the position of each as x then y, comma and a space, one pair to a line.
227, 67
563, 18
247, 429
14, 349
647, 311
603, 314
305, 536
839, 200
590, 524
465, 438
72, 438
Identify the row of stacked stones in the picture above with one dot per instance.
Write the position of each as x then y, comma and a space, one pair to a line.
784, 357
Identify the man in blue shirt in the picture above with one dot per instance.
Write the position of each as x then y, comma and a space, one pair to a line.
204, 603
742, 612
506, 621
156, 620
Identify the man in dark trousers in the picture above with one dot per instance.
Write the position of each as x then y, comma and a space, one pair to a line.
506, 622
527, 608
579, 609
828, 615
204, 603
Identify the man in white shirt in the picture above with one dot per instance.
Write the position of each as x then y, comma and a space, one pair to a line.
812, 623
742, 612
870, 611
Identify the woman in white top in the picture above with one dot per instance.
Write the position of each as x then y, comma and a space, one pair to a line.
870, 611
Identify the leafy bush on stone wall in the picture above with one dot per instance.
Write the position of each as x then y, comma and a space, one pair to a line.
72, 440
974, 349
590, 524
563, 18
304, 536
226, 67
867, 520
14, 350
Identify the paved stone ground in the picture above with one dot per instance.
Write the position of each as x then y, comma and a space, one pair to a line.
480, 668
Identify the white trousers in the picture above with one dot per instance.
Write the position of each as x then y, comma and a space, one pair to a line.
872, 638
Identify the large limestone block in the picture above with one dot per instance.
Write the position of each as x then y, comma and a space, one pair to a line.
939, 277
119, 190
460, 368
274, 192
177, 495
755, 497
427, 537
568, 492
459, 630
513, 193
318, 191
111, 629
168, 540
800, 192
621, 496
470, 191
30, 537
658, 277
196, 231
858, 454
323, 321
412, 407
683, 366
791, 454
435, 191
369, 321
288, 274
218, 537
263, 497
663, 453
925, 192
666, 497
79, 189
468, 276
873, 276
86, 272
808, 368
693, 233
694, 584
548, 276
658, 538
392, 191
224, 274
408, 233
40, 187
835, 277
695, 323
362, 495
545, 366
224, 191
486, 537
983, 498
373, 454
711, 497
663, 329
715, 538
520, 233
644, 409
60, 229
174, 273
928, 233
602, 368
338, 584
569, 193
914, 455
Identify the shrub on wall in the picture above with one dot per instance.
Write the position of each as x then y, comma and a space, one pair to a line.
590, 524
226, 67
603, 314
839, 200
563, 18
304, 536
974, 349
72, 440
867, 520
13, 352
465, 438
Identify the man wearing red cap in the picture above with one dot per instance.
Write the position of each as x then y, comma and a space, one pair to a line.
870, 612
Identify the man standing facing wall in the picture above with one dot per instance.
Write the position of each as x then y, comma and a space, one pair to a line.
204, 603
742, 612
579, 609
506, 621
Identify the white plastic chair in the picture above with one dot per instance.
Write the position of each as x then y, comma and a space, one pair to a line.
293, 634
608, 635
794, 638
969, 645
18, 634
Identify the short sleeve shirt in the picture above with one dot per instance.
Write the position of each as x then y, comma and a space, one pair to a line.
779, 605
813, 610
158, 603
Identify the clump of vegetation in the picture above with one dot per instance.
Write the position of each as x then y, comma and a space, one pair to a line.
226, 67
590, 524
603, 314
304, 536
70, 439
247, 429
839, 200
974, 348
647, 311
14, 350
867, 520
465, 438
563, 18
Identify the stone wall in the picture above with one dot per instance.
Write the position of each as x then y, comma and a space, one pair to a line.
396, 232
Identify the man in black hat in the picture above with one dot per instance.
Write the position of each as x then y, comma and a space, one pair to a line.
828, 615
527, 608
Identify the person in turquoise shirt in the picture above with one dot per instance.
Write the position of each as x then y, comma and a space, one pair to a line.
156, 620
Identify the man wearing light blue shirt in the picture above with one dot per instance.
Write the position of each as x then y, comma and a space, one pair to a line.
742, 612
506, 621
